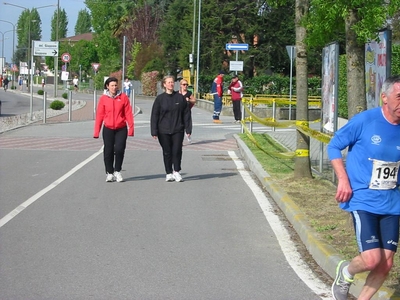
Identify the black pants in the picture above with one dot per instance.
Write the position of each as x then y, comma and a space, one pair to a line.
114, 145
171, 145
236, 109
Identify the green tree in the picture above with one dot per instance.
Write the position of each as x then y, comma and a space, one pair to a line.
109, 50
176, 35
266, 29
137, 21
28, 30
83, 23
396, 59
395, 26
60, 31
83, 54
360, 21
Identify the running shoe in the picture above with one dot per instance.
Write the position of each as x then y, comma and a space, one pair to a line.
177, 177
118, 177
169, 177
110, 177
341, 285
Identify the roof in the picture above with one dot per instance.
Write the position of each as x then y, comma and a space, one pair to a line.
84, 36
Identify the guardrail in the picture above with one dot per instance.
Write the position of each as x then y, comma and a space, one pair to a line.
253, 105
258, 99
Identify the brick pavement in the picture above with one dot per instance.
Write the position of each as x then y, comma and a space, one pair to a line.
85, 113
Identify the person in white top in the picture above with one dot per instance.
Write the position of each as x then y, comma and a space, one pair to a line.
75, 82
127, 86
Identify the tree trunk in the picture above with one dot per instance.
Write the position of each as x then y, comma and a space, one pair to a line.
355, 67
302, 166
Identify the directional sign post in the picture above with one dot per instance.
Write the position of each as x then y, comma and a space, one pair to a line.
237, 47
45, 48
232, 47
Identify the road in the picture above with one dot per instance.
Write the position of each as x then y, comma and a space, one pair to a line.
18, 102
67, 234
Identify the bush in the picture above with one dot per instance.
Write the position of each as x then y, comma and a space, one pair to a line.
65, 95
40, 92
13, 87
57, 105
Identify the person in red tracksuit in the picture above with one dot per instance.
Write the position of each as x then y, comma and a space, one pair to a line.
114, 111
236, 89
217, 90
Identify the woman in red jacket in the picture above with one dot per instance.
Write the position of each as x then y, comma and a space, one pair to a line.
114, 111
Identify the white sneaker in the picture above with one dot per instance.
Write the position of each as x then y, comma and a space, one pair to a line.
118, 177
169, 177
110, 177
177, 177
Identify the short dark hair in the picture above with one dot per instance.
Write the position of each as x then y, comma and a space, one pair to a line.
108, 81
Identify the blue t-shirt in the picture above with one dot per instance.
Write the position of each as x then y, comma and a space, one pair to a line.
369, 137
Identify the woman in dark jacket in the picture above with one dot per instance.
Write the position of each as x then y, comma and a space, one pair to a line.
170, 116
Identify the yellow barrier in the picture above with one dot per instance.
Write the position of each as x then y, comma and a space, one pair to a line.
265, 99
302, 126
314, 101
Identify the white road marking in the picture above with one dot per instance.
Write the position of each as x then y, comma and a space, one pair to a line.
287, 246
39, 194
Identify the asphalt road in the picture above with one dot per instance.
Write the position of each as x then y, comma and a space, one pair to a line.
16, 102
67, 234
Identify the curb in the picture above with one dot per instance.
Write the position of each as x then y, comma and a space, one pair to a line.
324, 254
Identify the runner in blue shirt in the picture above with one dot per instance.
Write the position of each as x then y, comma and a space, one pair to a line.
368, 188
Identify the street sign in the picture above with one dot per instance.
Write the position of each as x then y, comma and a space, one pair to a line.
243, 47
45, 48
64, 76
236, 66
291, 50
95, 66
66, 57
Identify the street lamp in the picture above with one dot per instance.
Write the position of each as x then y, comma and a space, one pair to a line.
2, 50
2, 42
26, 8
198, 51
29, 46
13, 42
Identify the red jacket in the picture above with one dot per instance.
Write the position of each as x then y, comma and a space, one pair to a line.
115, 113
236, 89
218, 85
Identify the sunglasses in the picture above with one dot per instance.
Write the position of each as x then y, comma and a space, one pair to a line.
184, 84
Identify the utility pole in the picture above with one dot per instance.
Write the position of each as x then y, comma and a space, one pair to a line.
56, 57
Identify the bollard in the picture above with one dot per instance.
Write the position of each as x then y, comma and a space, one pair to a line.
94, 104
0, 107
273, 113
44, 107
70, 106
243, 116
133, 101
251, 122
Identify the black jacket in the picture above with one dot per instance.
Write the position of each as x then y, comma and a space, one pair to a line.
170, 114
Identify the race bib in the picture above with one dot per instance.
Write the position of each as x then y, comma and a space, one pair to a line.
384, 175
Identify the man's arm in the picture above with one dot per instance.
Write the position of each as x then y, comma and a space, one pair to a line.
344, 190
